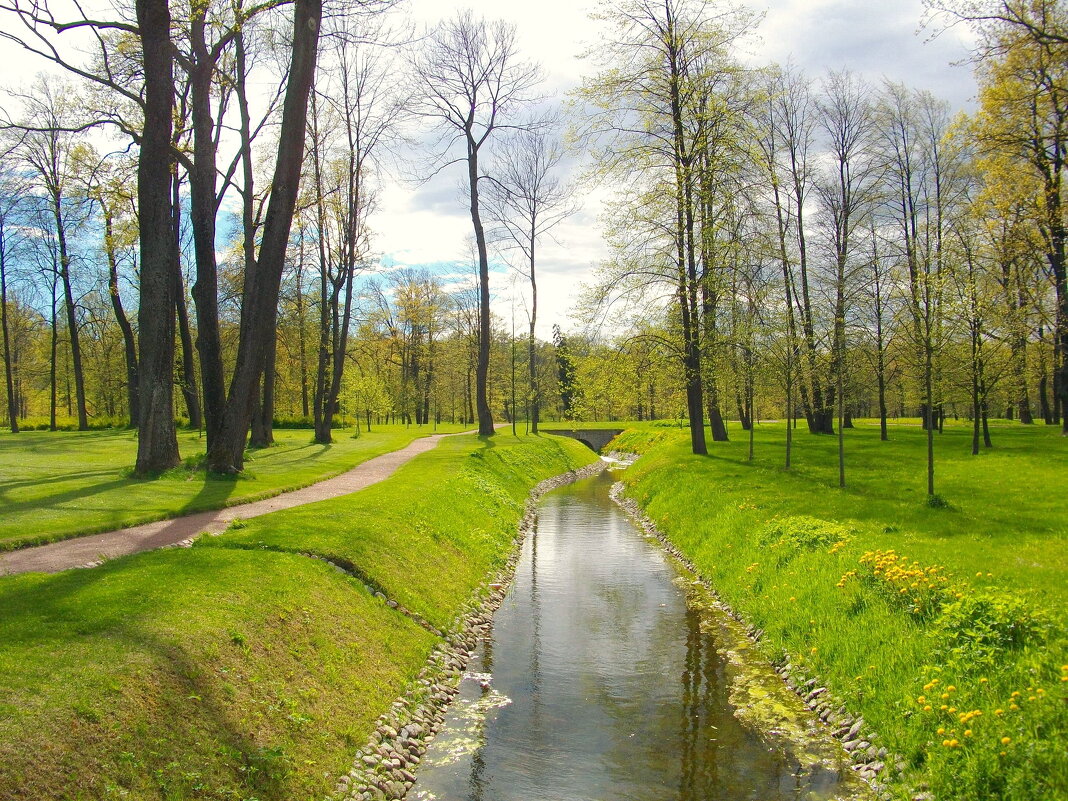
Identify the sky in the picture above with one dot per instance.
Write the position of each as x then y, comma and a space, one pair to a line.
427, 224
430, 224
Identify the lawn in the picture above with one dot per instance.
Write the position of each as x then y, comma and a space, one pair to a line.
56, 485
916, 616
239, 668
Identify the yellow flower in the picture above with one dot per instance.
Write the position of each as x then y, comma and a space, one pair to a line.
982, 681
951, 688
952, 709
947, 743
927, 708
1006, 740
941, 730
813, 651
999, 711
967, 732
945, 696
921, 700
1014, 707
953, 743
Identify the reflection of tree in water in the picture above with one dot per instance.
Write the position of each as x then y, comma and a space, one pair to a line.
477, 782
720, 757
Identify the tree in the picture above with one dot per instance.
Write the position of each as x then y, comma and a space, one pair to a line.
157, 442
471, 81
528, 201
11, 190
261, 287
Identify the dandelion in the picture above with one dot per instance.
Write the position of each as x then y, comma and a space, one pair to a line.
1014, 707
953, 743
951, 688
967, 732
999, 711
941, 730
947, 743
982, 681
927, 708
813, 651
1005, 741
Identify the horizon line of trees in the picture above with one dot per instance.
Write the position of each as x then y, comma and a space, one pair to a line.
781, 247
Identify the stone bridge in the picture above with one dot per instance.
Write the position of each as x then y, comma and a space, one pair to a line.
593, 438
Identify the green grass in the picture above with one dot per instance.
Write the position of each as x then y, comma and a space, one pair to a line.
56, 485
230, 672
785, 550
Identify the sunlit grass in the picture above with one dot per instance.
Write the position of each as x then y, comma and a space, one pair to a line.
234, 672
55, 485
996, 629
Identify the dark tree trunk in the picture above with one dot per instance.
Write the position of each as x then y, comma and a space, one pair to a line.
128, 340
260, 295
485, 415
71, 311
203, 209
157, 443
532, 350
187, 371
12, 409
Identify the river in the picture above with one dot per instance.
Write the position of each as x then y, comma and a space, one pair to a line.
603, 681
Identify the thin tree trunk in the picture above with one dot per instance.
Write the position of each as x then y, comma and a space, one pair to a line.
12, 409
128, 340
485, 415
69, 307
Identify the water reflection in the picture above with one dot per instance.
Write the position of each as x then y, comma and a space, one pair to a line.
604, 685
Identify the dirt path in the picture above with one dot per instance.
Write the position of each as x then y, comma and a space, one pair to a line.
91, 550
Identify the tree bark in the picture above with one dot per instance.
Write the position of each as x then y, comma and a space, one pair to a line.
157, 443
12, 409
128, 340
260, 294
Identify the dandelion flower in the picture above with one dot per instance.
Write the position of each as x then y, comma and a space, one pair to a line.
1005, 741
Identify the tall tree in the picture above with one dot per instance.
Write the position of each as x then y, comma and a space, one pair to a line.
473, 82
528, 201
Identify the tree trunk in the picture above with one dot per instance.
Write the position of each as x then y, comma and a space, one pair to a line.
157, 443
260, 295
128, 340
187, 370
12, 410
71, 311
485, 415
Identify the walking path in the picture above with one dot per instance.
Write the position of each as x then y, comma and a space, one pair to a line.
92, 550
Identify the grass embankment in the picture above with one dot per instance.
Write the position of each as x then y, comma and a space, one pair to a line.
56, 485
233, 671
943, 627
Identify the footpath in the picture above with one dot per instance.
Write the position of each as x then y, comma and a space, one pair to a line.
92, 550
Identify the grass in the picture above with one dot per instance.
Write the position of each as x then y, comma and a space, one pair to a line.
916, 616
239, 669
56, 485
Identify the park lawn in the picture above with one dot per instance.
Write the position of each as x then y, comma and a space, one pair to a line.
399, 535
910, 653
57, 485
229, 673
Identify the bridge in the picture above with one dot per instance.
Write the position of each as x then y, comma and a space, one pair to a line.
593, 438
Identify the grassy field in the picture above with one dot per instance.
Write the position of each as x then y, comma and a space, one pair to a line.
55, 485
239, 669
943, 627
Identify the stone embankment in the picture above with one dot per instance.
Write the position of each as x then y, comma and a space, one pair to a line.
384, 769
870, 761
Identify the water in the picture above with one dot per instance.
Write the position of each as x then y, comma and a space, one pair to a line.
600, 683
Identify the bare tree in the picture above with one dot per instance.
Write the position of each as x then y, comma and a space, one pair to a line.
528, 200
472, 81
